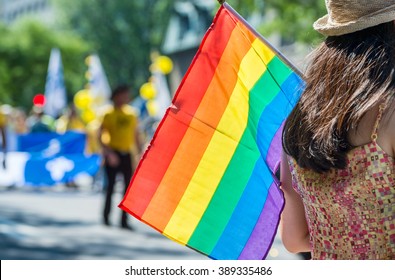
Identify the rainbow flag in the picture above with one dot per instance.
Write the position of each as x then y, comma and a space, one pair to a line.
207, 179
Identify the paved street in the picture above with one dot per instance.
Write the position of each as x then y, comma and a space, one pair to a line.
58, 223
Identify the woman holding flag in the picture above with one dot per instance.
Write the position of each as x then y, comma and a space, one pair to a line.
338, 169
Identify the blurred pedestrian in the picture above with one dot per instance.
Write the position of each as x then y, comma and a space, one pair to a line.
19, 121
16, 126
339, 176
3, 124
70, 121
39, 122
120, 124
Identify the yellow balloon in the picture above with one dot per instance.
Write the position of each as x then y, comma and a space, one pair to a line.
148, 91
88, 60
82, 99
88, 115
164, 64
152, 108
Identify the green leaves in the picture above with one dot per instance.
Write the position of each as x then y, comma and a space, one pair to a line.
24, 51
292, 20
123, 33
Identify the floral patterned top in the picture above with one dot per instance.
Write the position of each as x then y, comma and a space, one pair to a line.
351, 212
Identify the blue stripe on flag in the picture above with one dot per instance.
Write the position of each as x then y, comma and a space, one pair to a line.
246, 213
277, 111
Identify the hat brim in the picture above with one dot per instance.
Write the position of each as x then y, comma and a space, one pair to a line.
327, 28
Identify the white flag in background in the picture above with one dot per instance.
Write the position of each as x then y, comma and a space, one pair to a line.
163, 99
98, 83
55, 91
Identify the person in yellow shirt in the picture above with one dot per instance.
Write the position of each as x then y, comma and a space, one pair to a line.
120, 125
3, 123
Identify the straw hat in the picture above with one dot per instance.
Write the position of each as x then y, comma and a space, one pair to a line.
348, 16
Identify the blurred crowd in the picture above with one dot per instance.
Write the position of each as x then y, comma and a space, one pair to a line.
15, 121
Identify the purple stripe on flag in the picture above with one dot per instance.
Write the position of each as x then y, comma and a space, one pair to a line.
274, 153
265, 230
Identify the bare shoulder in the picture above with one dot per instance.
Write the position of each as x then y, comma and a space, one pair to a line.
387, 130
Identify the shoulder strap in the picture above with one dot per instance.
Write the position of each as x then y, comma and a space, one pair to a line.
377, 123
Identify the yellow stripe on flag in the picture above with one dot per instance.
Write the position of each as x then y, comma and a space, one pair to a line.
198, 136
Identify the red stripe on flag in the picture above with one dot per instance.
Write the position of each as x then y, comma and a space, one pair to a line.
156, 161
202, 128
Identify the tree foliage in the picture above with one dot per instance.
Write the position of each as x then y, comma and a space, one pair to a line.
293, 20
122, 32
247, 7
24, 50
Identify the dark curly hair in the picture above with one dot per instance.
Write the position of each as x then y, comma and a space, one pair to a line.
348, 76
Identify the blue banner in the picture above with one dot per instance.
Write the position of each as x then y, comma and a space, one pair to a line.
56, 158
51, 143
41, 171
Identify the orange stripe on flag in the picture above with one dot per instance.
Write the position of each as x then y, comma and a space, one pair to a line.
145, 182
198, 136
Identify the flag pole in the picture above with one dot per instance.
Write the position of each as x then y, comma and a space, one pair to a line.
283, 58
